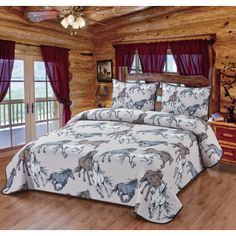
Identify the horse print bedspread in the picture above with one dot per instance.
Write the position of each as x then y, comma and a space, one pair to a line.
130, 157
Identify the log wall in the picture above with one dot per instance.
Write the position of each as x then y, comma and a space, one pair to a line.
82, 67
164, 22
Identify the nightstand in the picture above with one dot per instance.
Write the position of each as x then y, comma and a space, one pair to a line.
226, 135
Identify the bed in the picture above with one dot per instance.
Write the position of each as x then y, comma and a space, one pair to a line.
133, 157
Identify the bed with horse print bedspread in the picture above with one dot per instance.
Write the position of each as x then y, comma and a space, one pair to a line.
131, 157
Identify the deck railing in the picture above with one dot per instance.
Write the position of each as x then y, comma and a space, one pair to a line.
16, 108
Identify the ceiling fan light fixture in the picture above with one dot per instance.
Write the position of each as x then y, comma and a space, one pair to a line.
79, 23
71, 19
65, 22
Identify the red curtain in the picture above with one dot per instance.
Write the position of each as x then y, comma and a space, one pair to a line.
191, 57
57, 68
124, 56
152, 56
7, 55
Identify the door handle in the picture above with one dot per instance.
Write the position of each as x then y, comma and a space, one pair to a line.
27, 108
32, 107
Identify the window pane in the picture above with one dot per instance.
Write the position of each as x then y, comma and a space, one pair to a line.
39, 71
133, 67
4, 114
41, 129
18, 70
50, 91
17, 113
171, 66
18, 135
5, 138
17, 90
53, 125
40, 110
40, 90
6, 98
53, 109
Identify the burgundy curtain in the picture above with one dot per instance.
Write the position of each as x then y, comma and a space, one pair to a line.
7, 55
152, 56
191, 57
57, 68
124, 56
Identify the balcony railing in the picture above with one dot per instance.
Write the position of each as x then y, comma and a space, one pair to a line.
15, 110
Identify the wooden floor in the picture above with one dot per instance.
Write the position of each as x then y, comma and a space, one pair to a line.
209, 202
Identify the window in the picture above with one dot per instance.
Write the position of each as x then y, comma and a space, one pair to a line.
136, 66
170, 65
46, 105
30, 108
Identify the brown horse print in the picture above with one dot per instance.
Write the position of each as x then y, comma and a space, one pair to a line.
153, 180
86, 164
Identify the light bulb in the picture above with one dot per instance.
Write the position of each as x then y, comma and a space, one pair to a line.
65, 22
71, 19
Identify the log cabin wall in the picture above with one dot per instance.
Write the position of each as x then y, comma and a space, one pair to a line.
162, 22
82, 67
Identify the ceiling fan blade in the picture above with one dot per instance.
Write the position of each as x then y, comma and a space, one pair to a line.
41, 15
97, 22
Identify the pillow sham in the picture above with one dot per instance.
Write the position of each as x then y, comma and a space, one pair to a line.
185, 100
133, 95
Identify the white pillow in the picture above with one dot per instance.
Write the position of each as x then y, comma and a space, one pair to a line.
187, 101
133, 95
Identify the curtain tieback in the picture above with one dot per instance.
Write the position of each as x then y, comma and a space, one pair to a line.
67, 103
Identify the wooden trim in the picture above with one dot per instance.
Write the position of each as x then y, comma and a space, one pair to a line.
189, 81
211, 39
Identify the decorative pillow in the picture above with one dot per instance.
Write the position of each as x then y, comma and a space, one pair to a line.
133, 95
187, 101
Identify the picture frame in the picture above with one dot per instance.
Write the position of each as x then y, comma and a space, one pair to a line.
105, 71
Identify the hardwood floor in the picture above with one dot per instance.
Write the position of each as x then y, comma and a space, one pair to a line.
209, 202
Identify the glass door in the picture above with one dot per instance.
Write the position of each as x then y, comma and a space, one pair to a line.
13, 109
46, 107
30, 109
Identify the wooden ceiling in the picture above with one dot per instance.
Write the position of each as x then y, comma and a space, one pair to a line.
95, 13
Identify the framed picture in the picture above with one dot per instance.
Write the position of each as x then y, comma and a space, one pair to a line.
104, 71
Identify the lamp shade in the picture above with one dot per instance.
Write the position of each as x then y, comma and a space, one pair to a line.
102, 91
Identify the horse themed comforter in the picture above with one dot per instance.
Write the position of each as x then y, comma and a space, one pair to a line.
131, 157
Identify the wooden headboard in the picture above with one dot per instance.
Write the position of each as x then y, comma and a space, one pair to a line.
188, 81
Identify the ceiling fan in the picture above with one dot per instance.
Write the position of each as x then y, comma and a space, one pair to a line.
72, 18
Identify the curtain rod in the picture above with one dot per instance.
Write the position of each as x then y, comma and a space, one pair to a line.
33, 45
211, 40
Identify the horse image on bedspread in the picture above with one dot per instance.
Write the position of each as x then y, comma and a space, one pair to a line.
122, 154
25, 157
191, 110
94, 143
159, 201
100, 180
154, 132
122, 136
60, 179
147, 143
214, 150
140, 104
84, 194
126, 191
86, 163
164, 156
170, 118
153, 179
10, 180
179, 170
182, 151
58, 145
191, 169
